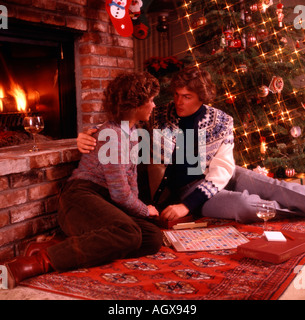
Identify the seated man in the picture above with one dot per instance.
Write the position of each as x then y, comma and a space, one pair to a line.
220, 189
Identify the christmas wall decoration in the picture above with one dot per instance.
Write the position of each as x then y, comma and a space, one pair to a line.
138, 10
118, 11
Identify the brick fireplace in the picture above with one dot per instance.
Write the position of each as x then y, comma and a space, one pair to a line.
30, 183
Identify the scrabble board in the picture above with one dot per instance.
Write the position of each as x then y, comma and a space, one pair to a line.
205, 239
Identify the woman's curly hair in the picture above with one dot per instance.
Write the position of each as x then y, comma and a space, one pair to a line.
127, 92
196, 80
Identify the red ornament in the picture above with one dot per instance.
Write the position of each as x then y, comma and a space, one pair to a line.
263, 91
199, 23
254, 7
231, 99
297, 45
228, 35
280, 6
236, 43
290, 172
251, 39
262, 34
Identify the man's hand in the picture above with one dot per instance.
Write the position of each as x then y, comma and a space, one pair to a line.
153, 212
174, 212
85, 141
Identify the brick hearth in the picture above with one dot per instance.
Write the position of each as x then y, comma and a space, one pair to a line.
29, 187
29, 183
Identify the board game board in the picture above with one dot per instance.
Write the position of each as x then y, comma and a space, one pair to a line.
205, 239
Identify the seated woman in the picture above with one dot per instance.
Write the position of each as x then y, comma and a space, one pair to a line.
99, 209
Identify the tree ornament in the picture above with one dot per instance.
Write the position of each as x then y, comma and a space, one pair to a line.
297, 44
263, 91
276, 84
231, 99
119, 16
229, 36
266, 4
248, 17
242, 67
254, 7
284, 41
295, 131
251, 39
223, 42
200, 22
263, 146
236, 43
290, 172
280, 14
261, 34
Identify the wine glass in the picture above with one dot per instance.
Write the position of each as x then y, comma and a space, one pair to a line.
265, 210
33, 125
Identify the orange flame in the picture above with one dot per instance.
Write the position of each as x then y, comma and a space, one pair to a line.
19, 95
1, 97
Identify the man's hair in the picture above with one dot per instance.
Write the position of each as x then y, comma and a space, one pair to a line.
196, 80
127, 92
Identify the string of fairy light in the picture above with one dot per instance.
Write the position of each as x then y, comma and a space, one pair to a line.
278, 54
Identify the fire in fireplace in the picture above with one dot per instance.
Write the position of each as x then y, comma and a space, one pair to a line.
37, 77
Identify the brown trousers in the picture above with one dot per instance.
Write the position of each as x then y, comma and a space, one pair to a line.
97, 231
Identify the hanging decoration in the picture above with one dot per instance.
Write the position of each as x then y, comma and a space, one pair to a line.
263, 91
251, 40
223, 42
229, 35
200, 22
265, 4
280, 14
261, 34
119, 16
137, 12
263, 146
296, 131
276, 85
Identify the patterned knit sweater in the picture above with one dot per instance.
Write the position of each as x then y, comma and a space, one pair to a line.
215, 137
120, 179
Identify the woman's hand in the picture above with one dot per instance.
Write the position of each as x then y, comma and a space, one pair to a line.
174, 212
85, 141
153, 212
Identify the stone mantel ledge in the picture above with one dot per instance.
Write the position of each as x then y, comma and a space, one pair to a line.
17, 159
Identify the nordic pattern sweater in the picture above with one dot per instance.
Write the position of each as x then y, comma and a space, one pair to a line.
215, 133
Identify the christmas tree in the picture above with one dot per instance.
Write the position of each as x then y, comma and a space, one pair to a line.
255, 56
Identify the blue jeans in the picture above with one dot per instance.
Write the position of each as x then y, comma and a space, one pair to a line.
246, 187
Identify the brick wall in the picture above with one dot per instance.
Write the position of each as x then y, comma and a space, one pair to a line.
29, 183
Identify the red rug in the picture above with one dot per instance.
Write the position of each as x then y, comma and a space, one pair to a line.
168, 275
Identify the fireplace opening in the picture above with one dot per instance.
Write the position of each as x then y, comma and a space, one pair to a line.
37, 77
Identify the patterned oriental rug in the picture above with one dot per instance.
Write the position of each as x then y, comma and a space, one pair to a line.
169, 275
